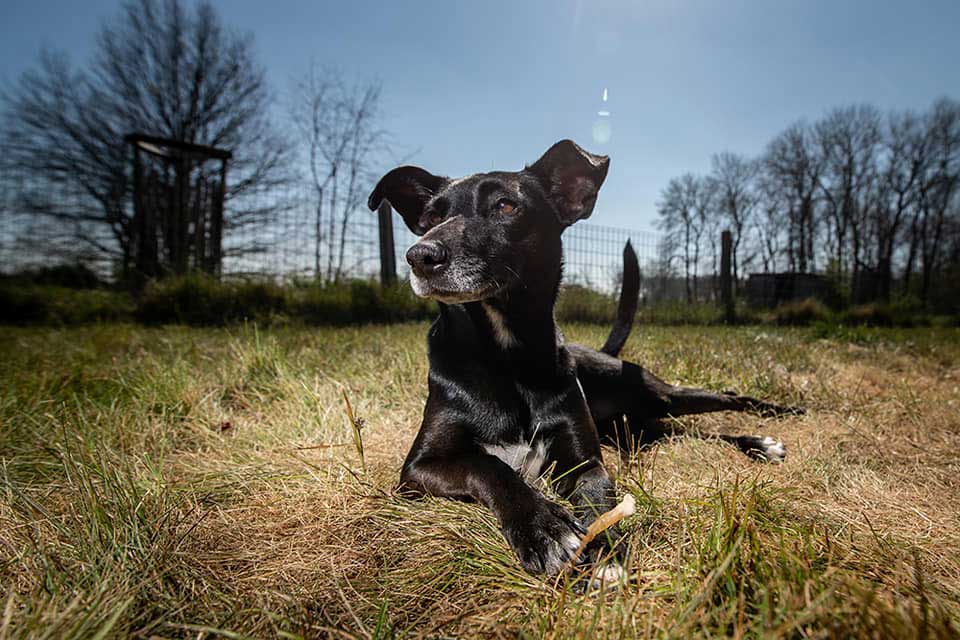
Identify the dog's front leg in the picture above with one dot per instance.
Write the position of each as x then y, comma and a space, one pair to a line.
592, 493
542, 534
584, 481
590, 490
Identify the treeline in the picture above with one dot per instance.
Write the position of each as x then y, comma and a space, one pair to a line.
867, 198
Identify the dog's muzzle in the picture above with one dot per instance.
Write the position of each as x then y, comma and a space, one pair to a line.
447, 275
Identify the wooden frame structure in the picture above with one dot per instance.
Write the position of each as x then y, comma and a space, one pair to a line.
178, 202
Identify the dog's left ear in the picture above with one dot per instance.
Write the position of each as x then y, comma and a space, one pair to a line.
408, 189
572, 179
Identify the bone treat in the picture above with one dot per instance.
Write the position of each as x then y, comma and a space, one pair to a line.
626, 507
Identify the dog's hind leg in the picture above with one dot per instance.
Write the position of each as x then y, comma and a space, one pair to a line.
685, 401
763, 448
615, 388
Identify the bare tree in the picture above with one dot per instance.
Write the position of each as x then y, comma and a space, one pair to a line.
676, 209
881, 195
684, 208
849, 140
792, 167
904, 158
733, 178
665, 276
713, 225
774, 214
159, 69
938, 190
341, 137
704, 204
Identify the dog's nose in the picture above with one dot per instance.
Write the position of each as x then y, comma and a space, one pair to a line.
427, 257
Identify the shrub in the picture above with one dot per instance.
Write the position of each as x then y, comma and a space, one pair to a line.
319, 304
831, 330
358, 301
258, 299
22, 305
201, 300
33, 304
580, 304
904, 313
800, 312
400, 304
677, 312
74, 275
870, 315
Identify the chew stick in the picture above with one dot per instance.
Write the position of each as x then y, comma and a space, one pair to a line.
627, 507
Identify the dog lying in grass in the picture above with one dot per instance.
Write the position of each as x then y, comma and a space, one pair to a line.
508, 399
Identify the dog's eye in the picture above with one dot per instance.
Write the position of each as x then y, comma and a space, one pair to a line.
435, 218
506, 206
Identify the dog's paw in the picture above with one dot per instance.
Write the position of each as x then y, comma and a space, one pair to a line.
764, 448
608, 576
603, 564
606, 554
545, 540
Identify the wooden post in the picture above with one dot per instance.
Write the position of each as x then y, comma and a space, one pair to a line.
388, 259
216, 223
726, 277
145, 263
139, 222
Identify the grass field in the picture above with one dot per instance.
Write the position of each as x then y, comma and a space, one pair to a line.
176, 482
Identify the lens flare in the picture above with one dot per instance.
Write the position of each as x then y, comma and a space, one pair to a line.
602, 130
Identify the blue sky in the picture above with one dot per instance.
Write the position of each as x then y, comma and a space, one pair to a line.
480, 85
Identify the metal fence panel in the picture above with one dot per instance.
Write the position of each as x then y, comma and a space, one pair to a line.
282, 245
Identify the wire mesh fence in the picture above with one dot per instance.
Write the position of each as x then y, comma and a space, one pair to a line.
294, 249
593, 254
30, 239
286, 244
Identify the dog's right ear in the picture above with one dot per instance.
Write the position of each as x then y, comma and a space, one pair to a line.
407, 189
572, 178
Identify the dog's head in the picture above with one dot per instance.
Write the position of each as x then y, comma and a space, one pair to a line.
490, 232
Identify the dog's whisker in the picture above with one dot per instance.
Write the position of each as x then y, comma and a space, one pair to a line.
516, 275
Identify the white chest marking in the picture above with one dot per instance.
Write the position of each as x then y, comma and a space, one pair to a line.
525, 459
501, 332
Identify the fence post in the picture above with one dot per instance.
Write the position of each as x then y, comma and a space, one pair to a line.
216, 226
388, 259
726, 277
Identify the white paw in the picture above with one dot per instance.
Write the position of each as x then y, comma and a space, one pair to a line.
772, 450
559, 552
609, 575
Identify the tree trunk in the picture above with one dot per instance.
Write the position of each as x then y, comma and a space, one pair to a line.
318, 234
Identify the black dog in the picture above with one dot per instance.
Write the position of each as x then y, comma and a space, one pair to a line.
508, 399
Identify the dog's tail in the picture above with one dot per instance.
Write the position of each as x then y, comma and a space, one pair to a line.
627, 307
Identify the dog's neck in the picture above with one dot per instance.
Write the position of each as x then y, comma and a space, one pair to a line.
526, 330
514, 329
519, 325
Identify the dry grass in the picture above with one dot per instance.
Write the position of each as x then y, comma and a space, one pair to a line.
183, 482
